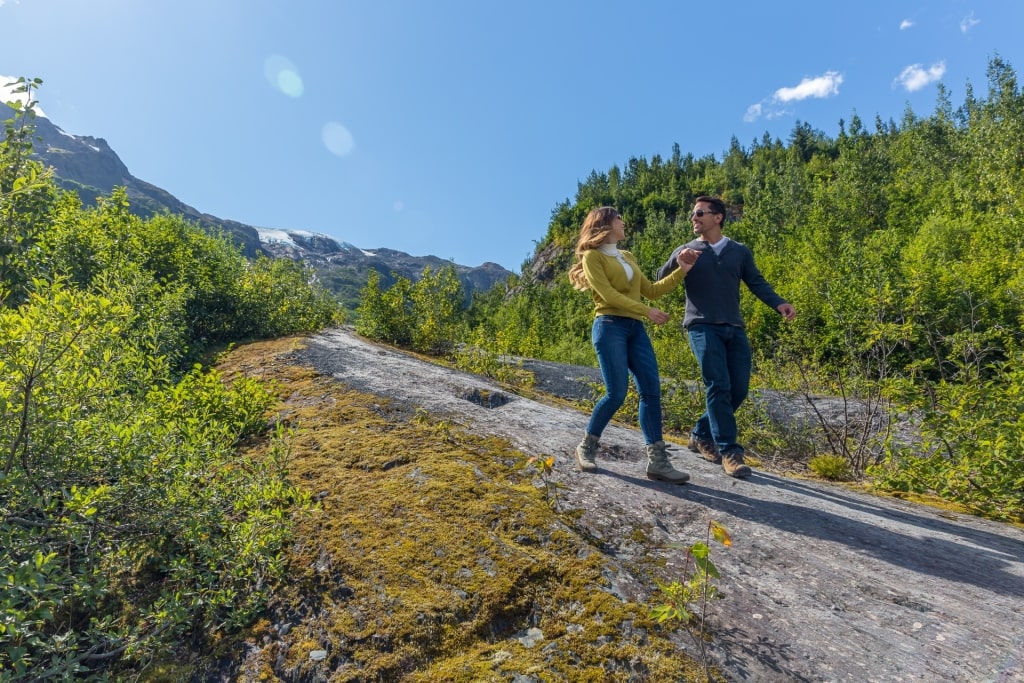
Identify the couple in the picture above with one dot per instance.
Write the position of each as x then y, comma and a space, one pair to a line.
711, 267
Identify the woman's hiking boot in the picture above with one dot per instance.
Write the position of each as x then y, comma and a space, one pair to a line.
659, 468
707, 448
732, 463
586, 452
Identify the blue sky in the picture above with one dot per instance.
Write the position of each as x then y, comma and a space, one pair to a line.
454, 127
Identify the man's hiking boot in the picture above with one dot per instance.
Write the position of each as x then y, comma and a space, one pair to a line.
707, 448
585, 453
732, 463
659, 468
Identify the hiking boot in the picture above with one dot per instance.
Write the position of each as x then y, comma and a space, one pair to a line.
659, 468
585, 453
707, 448
732, 463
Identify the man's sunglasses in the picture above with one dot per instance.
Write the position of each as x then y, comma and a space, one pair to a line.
699, 213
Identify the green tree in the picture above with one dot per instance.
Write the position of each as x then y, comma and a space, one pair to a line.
386, 315
26, 193
437, 301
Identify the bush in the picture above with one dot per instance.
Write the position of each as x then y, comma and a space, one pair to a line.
970, 448
426, 316
128, 519
831, 467
277, 297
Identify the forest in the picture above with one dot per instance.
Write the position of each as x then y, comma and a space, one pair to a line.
899, 245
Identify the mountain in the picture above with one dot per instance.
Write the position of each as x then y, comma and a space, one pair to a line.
343, 267
90, 168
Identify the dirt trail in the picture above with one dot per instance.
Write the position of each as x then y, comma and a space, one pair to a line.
821, 584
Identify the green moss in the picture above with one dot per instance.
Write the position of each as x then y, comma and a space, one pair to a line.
432, 553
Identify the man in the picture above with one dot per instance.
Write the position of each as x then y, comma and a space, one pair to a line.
716, 329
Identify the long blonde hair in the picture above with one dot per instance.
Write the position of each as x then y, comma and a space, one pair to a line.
593, 232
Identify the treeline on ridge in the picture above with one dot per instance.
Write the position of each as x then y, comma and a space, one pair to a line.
900, 248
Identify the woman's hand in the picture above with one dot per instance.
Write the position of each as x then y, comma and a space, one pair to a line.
657, 316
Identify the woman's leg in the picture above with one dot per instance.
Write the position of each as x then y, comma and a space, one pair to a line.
644, 367
609, 334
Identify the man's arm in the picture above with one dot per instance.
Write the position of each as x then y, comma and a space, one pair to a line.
669, 266
758, 285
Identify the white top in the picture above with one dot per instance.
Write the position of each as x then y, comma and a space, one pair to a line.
613, 250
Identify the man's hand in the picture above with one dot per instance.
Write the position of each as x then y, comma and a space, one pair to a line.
787, 311
686, 258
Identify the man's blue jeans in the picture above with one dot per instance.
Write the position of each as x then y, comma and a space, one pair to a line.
723, 354
624, 349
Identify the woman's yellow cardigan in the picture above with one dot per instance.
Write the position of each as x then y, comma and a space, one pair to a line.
614, 294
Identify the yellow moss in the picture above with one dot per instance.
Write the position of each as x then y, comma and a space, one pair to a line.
639, 535
432, 551
167, 672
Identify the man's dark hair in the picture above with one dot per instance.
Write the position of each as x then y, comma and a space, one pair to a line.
717, 205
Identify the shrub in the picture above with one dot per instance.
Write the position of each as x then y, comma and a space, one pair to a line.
831, 467
128, 520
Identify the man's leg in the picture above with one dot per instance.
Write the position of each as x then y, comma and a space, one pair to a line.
708, 345
739, 362
698, 344
738, 359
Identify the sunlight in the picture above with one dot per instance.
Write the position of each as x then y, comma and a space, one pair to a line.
337, 139
283, 75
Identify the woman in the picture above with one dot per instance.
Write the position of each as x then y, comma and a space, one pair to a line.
619, 335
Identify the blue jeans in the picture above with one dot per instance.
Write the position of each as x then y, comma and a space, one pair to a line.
624, 349
723, 354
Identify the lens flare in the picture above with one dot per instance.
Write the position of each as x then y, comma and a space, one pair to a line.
337, 139
283, 75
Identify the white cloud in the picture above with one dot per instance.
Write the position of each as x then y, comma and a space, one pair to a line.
822, 86
968, 22
753, 112
915, 76
905, 24
773, 107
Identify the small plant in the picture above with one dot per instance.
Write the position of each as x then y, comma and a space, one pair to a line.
831, 467
443, 428
684, 599
545, 465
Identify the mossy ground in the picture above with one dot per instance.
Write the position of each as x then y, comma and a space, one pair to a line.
431, 553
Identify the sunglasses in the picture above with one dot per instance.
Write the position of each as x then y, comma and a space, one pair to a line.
699, 213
